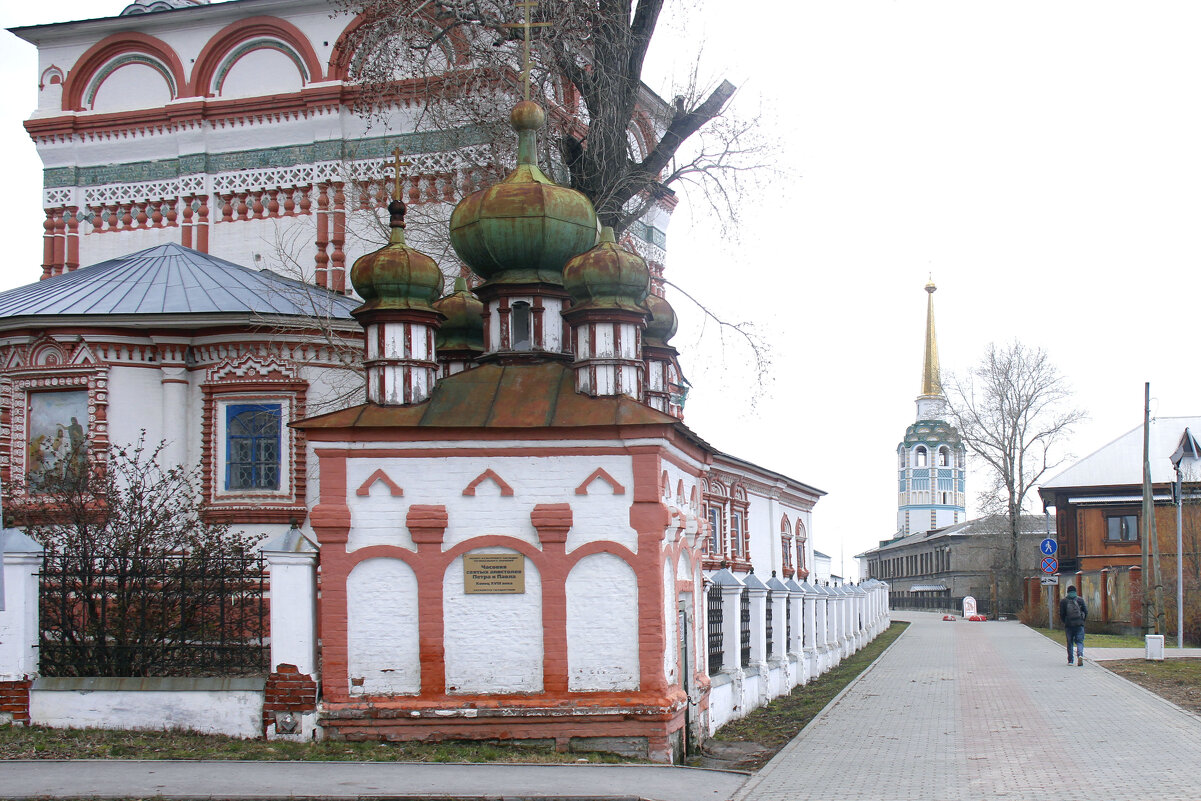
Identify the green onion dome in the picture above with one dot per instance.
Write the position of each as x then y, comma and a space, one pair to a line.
463, 328
525, 228
932, 432
396, 276
607, 277
662, 325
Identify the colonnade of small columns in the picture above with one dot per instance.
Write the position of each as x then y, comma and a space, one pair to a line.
810, 629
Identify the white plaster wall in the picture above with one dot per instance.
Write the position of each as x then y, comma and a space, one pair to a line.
602, 625
236, 713
671, 633
134, 402
132, 86
379, 519
721, 704
262, 72
599, 515
493, 643
382, 629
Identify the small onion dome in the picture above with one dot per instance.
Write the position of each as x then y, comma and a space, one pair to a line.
525, 228
661, 327
607, 277
463, 328
396, 276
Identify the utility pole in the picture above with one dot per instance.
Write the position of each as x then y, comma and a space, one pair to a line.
1148, 510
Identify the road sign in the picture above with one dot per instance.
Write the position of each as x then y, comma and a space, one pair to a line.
1048, 581
1049, 547
1050, 565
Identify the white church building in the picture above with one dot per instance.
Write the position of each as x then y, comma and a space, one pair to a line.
517, 536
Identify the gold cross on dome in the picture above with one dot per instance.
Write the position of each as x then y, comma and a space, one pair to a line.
526, 5
396, 165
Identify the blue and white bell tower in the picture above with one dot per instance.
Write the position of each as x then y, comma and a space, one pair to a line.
930, 460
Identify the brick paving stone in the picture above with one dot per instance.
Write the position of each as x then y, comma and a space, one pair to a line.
987, 710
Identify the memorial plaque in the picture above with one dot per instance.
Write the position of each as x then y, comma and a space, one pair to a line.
494, 573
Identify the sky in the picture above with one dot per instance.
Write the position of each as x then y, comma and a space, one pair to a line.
1041, 160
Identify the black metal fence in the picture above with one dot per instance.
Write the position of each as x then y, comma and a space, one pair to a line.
744, 608
156, 615
714, 619
770, 637
787, 625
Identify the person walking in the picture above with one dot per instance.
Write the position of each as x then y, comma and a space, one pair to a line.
1072, 613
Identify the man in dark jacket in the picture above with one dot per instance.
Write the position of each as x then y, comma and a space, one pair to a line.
1073, 613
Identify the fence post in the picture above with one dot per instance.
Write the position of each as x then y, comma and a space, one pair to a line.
292, 561
22, 560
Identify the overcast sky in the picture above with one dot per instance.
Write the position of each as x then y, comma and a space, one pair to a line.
1042, 160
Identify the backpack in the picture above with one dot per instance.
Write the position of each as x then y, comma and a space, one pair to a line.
1075, 612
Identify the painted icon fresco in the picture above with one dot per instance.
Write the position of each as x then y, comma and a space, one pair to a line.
58, 437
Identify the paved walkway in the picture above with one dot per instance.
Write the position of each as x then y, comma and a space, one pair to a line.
987, 710
30, 779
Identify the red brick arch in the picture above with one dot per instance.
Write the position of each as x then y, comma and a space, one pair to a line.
236, 33
115, 45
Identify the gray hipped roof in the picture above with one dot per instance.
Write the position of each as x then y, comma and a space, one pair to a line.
171, 279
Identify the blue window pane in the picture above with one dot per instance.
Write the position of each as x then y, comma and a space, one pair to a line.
252, 452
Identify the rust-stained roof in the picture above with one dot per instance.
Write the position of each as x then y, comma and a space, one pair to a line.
503, 396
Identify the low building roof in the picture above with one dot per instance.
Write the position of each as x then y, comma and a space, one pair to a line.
1120, 463
170, 280
503, 396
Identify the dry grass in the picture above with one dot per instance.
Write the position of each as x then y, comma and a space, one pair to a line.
36, 742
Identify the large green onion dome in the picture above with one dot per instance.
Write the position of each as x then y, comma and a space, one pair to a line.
396, 276
607, 277
463, 328
661, 327
525, 228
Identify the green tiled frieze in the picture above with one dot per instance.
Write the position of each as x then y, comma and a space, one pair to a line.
329, 150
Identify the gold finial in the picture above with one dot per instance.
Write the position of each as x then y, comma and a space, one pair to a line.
931, 380
526, 5
396, 165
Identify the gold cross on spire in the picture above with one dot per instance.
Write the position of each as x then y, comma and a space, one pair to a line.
396, 165
526, 5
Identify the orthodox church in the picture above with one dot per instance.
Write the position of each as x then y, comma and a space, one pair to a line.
517, 535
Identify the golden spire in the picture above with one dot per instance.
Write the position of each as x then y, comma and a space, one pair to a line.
931, 384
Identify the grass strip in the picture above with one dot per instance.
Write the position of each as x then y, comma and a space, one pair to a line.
39, 742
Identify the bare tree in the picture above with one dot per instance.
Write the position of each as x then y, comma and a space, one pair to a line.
136, 581
618, 142
1013, 410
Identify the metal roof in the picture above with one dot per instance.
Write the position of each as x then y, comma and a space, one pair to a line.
504, 396
1120, 463
171, 279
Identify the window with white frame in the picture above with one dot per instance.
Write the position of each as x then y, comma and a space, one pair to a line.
253, 454
252, 446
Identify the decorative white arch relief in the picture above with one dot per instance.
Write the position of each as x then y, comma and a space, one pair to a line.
493, 642
602, 625
382, 655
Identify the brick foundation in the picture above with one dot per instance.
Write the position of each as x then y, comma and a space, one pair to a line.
14, 699
288, 690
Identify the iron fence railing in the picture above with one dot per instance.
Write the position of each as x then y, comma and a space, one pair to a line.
768, 631
744, 608
714, 624
153, 615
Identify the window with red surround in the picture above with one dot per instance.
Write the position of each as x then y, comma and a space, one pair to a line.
252, 465
786, 551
